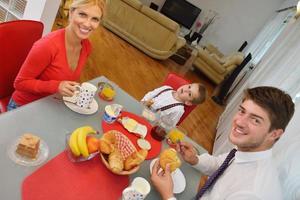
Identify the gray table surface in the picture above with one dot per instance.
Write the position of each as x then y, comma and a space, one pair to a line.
50, 119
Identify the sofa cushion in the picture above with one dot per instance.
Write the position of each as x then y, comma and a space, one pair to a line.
212, 49
217, 58
234, 59
134, 3
144, 29
202, 54
161, 19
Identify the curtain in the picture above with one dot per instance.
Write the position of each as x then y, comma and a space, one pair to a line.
279, 67
262, 44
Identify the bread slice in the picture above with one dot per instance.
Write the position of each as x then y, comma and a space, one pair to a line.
28, 145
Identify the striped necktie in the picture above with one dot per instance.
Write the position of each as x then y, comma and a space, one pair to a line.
213, 178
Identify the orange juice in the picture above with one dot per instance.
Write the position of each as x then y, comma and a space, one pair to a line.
176, 135
108, 93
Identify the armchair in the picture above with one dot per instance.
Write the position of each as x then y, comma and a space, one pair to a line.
16, 38
211, 62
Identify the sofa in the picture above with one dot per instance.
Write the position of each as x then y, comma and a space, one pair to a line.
212, 63
146, 29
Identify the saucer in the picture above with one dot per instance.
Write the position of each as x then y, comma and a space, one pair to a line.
21, 160
177, 176
85, 111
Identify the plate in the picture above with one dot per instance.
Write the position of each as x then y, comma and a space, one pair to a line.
177, 176
85, 111
21, 160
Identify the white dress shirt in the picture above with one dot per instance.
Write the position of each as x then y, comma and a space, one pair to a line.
250, 176
171, 115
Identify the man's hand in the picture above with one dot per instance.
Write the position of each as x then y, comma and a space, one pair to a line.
162, 181
67, 88
188, 152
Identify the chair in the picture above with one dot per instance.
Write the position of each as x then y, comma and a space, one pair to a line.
175, 81
16, 39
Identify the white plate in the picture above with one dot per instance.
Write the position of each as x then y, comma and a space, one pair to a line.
85, 111
177, 176
21, 160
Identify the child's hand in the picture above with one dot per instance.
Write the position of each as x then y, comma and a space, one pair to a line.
148, 103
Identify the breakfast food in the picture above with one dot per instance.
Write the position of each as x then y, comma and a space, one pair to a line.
78, 141
115, 161
144, 144
107, 142
129, 124
135, 159
28, 145
119, 154
176, 135
169, 156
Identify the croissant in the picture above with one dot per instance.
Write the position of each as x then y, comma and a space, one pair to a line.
169, 156
115, 161
135, 159
107, 142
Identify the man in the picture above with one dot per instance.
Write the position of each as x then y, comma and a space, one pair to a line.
171, 102
259, 123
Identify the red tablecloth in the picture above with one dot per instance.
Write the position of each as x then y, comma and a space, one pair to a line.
155, 145
60, 179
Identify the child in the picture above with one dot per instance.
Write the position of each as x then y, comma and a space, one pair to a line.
171, 102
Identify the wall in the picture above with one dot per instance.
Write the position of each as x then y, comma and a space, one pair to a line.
239, 20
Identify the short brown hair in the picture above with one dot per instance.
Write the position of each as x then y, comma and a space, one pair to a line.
202, 94
277, 103
79, 3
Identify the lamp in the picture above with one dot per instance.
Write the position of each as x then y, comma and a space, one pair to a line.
298, 10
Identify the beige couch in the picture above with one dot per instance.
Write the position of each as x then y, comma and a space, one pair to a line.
146, 29
211, 62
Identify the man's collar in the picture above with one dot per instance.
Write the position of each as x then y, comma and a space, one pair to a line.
241, 157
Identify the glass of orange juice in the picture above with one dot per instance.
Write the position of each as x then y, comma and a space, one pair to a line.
106, 91
176, 135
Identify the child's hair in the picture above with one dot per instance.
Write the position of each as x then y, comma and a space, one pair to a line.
202, 94
277, 103
79, 3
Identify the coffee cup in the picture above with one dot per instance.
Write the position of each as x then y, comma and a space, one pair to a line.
138, 189
111, 112
85, 95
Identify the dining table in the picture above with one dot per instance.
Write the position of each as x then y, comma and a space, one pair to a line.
51, 120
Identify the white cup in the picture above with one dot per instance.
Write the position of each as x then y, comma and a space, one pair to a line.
86, 95
138, 190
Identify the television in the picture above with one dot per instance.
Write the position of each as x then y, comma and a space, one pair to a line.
181, 11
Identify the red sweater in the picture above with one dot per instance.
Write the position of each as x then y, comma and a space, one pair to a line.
45, 67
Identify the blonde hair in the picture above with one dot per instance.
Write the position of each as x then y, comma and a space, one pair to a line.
80, 3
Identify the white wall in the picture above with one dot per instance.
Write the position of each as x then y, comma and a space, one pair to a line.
239, 20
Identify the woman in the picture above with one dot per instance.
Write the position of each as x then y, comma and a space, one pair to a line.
55, 62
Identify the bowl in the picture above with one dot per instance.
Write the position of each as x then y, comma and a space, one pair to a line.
104, 158
74, 158
106, 91
126, 149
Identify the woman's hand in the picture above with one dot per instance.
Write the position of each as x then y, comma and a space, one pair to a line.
67, 88
162, 181
188, 152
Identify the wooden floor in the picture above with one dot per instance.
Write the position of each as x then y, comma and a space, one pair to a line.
137, 73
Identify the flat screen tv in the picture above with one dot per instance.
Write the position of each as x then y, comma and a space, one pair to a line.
181, 11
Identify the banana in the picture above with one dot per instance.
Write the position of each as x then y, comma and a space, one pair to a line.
81, 139
73, 142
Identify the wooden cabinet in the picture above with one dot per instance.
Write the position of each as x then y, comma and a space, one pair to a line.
40, 10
